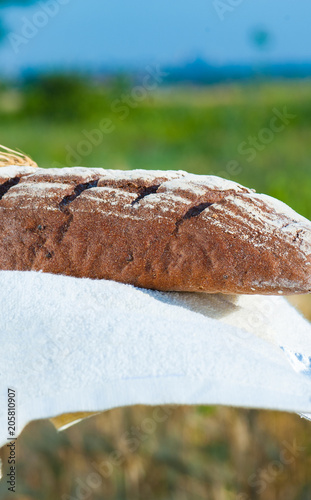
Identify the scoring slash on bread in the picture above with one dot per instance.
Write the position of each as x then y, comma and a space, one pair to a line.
171, 231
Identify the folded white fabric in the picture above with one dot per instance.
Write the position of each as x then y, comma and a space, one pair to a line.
71, 345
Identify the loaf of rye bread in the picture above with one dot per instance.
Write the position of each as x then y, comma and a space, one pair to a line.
154, 229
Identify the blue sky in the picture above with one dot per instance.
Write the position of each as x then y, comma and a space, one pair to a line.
94, 33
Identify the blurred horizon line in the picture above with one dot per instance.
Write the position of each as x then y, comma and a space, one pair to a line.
199, 70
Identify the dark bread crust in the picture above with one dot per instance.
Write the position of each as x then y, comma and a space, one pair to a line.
159, 230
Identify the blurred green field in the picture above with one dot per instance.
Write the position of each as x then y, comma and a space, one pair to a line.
197, 453
198, 129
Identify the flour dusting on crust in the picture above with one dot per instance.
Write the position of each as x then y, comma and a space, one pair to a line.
177, 231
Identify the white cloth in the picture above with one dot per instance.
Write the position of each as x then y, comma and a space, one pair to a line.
70, 345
